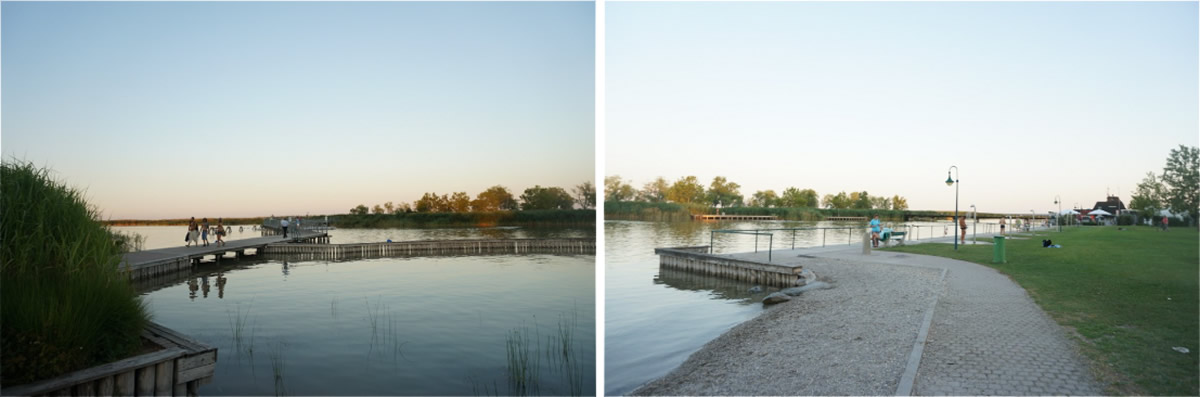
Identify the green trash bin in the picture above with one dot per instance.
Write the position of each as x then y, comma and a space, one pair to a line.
998, 250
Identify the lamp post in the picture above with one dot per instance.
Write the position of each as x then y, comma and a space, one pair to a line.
1058, 220
954, 182
1032, 217
974, 221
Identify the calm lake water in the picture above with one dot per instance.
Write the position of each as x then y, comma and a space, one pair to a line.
655, 320
412, 326
172, 236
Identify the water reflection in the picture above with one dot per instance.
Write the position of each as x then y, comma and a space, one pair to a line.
201, 284
720, 288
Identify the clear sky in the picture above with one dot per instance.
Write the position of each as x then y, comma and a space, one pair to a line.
1029, 100
167, 110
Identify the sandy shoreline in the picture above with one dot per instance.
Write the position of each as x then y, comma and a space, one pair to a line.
852, 339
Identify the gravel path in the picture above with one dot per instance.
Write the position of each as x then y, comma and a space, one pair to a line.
852, 339
986, 337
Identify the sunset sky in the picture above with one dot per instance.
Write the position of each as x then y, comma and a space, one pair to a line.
169, 110
1030, 100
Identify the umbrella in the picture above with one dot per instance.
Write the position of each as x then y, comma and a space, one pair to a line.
1069, 212
1099, 212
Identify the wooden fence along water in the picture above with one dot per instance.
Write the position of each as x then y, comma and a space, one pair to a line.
182, 365
734, 217
558, 246
698, 260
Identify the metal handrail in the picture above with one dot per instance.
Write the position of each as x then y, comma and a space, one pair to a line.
319, 225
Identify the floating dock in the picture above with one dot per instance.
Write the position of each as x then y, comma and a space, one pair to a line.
153, 263
698, 260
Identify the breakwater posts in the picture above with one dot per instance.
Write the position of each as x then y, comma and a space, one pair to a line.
567, 246
697, 260
177, 369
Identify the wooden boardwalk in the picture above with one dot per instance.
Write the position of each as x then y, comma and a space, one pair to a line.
155, 262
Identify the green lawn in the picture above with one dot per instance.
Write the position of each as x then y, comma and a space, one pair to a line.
1130, 294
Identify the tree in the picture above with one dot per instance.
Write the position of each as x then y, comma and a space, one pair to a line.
1181, 178
839, 201
378, 210
430, 202
655, 191
546, 198
861, 201
460, 202
686, 190
882, 203
899, 203
617, 190
359, 210
585, 195
1148, 198
389, 207
403, 207
766, 199
722, 193
495, 198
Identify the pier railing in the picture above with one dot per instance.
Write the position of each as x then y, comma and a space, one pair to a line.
912, 232
318, 225
771, 236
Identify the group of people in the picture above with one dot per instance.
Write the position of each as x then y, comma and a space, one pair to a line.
197, 233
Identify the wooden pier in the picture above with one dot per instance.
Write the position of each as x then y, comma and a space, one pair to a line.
735, 217
698, 260
559, 246
177, 369
846, 218
151, 263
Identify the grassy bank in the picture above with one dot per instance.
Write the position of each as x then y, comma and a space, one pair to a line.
1131, 295
556, 218
64, 304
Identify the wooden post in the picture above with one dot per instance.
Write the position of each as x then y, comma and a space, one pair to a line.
145, 381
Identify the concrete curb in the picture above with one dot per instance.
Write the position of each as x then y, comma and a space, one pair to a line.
905, 387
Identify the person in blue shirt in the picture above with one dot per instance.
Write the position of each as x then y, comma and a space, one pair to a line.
875, 229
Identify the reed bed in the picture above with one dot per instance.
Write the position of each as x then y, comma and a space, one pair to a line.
65, 304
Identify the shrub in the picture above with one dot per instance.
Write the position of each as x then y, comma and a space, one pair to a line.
65, 305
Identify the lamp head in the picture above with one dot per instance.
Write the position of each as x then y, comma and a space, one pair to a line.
949, 181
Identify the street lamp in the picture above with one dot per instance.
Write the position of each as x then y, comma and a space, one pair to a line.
1058, 219
954, 182
1032, 217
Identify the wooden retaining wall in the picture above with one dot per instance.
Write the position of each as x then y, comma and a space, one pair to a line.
177, 370
697, 260
579, 246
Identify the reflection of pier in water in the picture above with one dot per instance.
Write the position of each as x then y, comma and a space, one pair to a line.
723, 288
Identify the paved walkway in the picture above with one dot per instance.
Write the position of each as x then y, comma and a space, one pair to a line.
988, 337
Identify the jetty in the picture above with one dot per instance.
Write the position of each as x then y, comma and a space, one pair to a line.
151, 263
697, 259
735, 217
557, 246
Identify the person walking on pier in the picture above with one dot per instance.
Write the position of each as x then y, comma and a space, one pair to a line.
204, 231
875, 229
192, 233
220, 231
962, 224
283, 224
1001, 226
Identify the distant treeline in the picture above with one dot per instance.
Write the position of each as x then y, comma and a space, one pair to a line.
559, 217
643, 211
182, 221
724, 193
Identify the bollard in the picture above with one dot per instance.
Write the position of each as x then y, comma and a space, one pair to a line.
998, 249
867, 244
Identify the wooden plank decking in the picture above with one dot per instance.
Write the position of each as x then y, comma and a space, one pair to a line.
152, 262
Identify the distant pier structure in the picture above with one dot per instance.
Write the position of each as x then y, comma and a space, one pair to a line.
735, 217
